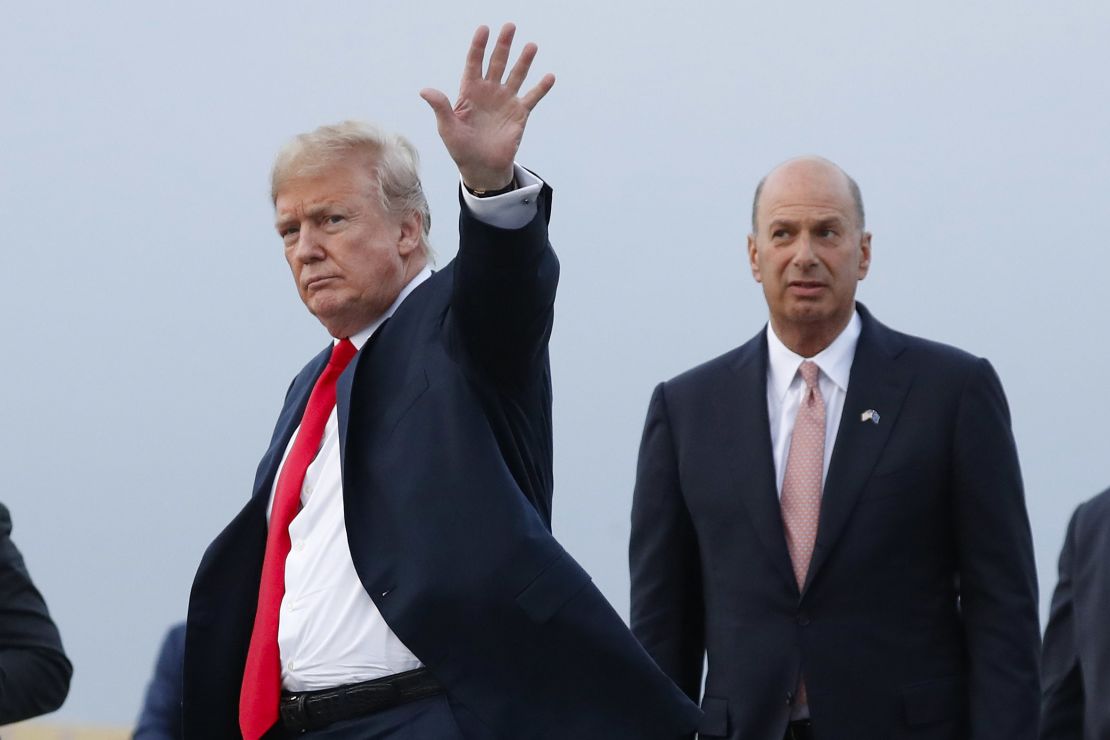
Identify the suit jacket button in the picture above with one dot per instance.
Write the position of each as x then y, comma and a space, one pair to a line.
803, 619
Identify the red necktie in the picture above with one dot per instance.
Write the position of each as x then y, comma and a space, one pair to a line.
261, 691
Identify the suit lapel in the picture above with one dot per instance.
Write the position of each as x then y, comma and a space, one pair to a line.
343, 399
288, 422
746, 433
877, 382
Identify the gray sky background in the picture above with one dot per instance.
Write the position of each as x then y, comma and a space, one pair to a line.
152, 328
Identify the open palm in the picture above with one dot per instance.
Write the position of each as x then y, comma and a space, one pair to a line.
483, 130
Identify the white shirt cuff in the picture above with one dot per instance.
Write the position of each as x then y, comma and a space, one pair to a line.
512, 210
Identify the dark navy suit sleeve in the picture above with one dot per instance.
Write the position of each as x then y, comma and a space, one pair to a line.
160, 718
1062, 701
34, 671
504, 296
502, 309
667, 604
998, 583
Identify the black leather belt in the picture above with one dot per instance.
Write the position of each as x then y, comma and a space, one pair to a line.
312, 710
799, 729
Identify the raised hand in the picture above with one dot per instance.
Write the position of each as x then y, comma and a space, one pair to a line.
482, 132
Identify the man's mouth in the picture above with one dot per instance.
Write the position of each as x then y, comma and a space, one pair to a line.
317, 282
806, 287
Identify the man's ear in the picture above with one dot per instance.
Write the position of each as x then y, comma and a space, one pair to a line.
412, 229
753, 261
864, 254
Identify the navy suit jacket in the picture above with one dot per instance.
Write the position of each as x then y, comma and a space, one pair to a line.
1076, 670
34, 671
918, 618
445, 439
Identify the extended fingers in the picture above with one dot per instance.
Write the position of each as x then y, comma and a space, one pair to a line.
536, 94
439, 103
520, 69
500, 55
476, 54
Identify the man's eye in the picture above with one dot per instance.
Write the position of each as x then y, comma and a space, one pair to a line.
289, 234
778, 233
334, 218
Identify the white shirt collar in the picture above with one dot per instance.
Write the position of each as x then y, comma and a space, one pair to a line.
360, 338
835, 360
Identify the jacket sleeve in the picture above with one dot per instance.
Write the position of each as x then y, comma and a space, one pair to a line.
998, 582
34, 671
504, 295
667, 607
1062, 700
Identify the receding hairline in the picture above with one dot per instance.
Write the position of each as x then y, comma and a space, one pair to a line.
853, 187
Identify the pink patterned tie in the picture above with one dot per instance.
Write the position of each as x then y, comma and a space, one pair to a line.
801, 484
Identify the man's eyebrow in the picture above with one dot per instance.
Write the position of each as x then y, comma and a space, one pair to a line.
312, 211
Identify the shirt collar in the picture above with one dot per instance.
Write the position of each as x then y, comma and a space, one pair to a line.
835, 360
360, 338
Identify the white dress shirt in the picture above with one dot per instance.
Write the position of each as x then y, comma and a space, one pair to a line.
330, 632
786, 390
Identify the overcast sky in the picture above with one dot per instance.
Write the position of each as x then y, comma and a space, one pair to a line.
152, 327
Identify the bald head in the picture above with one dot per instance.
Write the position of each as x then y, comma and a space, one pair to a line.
808, 249
812, 169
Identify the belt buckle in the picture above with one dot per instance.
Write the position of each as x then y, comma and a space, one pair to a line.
293, 714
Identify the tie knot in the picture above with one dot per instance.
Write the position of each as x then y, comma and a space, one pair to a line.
342, 353
809, 371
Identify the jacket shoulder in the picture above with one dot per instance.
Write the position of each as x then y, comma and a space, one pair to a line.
711, 371
939, 354
1095, 511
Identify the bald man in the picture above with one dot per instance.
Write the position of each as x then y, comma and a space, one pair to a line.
833, 513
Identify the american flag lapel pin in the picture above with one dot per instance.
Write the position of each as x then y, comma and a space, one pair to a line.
870, 415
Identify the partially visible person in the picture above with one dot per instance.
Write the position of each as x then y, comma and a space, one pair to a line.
160, 717
1076, 660
34, 670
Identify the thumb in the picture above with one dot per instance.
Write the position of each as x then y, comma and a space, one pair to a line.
439, 104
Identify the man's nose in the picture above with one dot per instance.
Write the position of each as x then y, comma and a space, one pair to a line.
804, 256
309, 246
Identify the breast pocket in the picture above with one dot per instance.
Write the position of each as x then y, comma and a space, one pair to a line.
556, 584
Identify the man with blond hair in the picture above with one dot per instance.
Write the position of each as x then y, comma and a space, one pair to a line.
393, 575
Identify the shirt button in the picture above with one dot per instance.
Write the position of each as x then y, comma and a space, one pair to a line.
290, 665
299, 547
